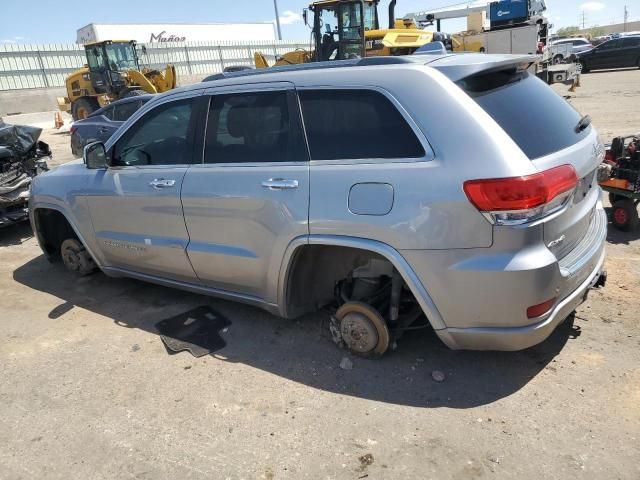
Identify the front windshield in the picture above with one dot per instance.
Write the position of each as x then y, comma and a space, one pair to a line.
121, 56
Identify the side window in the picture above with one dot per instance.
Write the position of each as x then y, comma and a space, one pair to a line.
631, 42
253, 127
356, 124
122, 111
610, 45
161, 137
108, 112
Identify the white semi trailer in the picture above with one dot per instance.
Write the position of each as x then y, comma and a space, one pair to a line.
176, 32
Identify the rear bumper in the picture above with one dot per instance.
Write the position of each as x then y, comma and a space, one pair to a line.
579, 270
519, 338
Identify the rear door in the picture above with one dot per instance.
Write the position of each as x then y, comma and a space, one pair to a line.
247, 197
630, 52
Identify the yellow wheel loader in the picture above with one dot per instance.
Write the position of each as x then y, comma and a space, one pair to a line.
112, 72
344, 29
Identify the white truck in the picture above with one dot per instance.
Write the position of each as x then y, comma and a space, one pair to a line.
520, 40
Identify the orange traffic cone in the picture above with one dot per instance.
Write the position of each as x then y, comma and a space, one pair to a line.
58, 120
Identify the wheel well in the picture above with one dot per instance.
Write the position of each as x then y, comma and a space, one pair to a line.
314, 272
52, 228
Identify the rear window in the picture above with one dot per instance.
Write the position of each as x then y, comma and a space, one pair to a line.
631, 42
356, 124
538, 120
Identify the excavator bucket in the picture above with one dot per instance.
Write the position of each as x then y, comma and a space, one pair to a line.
142, 80
260, 60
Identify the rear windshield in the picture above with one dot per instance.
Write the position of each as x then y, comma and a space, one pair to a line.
539, 120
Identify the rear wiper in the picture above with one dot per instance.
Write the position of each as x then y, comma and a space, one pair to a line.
583, 123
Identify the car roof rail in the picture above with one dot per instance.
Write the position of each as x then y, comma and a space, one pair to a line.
357, 62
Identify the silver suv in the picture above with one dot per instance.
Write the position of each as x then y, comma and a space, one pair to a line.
456, 191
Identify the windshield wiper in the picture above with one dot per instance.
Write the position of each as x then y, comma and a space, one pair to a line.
583, 124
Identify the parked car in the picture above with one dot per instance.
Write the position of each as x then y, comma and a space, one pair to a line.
102, 123
577, 44
616, 53
399, 190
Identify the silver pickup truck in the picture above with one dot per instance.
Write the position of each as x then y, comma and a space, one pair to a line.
456, 191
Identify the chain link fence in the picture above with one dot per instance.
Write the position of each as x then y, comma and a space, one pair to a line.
24, 66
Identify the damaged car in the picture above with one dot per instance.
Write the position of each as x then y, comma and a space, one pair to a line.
22, 157
395, 193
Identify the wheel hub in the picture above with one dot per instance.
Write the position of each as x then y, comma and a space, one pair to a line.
358, 333
361, 329
71, 258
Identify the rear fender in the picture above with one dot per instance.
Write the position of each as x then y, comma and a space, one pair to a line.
391, 254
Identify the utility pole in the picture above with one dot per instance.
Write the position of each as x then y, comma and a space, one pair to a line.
626, 17
583, 15
275, 7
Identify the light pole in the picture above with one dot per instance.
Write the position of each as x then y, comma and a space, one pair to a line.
275, 6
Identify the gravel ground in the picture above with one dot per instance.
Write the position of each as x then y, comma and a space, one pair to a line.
87, 389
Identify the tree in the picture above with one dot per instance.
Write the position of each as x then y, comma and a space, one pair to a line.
566, 31
596, 31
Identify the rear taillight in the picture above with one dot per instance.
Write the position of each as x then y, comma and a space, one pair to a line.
517, 200
72, 130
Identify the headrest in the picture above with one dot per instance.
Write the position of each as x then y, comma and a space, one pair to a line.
237, 121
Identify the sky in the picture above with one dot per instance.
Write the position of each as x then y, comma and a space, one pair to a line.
50, 21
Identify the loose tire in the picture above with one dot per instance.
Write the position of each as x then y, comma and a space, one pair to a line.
83, 107
625, 215
613, 198
76, 258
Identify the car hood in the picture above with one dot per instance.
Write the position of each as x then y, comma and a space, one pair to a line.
583, 52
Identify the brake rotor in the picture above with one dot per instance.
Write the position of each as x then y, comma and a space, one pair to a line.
363, 330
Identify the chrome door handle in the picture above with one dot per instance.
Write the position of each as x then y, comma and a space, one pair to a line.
280, 184
159, 183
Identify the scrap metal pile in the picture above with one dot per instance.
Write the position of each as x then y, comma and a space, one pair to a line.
22, 157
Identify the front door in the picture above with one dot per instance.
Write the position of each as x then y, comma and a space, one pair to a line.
249, 196
135, 204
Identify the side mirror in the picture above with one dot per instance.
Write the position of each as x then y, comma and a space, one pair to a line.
304, 16
95, 155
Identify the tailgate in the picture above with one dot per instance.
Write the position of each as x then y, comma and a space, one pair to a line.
563, 231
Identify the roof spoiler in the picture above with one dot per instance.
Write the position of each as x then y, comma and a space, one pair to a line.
479, 63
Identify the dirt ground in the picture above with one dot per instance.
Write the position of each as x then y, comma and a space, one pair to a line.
87, 389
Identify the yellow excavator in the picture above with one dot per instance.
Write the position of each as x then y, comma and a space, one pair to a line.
344, 29
112, 72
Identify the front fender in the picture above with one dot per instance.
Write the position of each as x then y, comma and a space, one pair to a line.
86, 239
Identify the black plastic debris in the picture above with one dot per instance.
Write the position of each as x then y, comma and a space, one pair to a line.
197, 331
